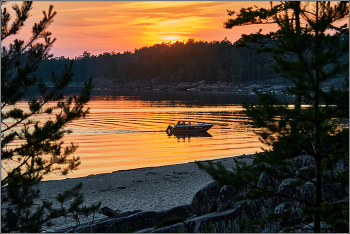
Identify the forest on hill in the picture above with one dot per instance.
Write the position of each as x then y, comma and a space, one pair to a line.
189, 61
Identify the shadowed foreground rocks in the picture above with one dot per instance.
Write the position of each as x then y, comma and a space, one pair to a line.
213, 209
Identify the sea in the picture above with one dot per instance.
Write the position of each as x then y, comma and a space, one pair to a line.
126, 130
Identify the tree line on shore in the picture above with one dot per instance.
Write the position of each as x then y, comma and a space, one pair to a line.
189, 61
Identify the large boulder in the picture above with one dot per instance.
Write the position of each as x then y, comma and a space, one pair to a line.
306, 173
294, 210
116, 225
307, 192
138, 221
330, 192
265, 181
303, 161
225, 198
184, 211
215, 222
342, 164
286, 187
205, 199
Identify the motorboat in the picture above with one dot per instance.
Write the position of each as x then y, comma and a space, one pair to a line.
187, 127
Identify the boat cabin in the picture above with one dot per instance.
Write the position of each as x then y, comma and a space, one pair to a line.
183, 123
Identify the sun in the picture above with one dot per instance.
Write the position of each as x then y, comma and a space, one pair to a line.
170, 42
171, 39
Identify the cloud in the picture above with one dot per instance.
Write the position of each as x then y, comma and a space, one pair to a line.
87, 25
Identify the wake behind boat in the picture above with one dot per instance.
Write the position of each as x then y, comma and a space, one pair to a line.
188, 127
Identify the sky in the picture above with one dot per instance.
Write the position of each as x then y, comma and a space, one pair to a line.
106, 26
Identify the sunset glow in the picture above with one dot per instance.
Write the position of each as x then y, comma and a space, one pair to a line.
99, 27
119, 26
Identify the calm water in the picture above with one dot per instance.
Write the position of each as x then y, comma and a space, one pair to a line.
126, 132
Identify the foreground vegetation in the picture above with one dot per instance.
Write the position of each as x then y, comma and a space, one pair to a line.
30, 148
307, 56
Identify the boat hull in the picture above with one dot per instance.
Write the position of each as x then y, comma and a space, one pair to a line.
191, 128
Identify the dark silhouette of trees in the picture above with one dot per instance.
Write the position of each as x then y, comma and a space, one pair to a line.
304, 53
31, 138
190, 61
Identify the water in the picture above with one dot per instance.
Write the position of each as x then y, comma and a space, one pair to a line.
128, 131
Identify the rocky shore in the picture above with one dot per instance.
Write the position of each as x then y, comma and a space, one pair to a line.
277, 85
182, 198
152, 189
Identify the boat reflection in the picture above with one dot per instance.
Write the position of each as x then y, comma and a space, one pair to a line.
188, 135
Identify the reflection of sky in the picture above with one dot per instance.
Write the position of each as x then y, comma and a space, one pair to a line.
113, 138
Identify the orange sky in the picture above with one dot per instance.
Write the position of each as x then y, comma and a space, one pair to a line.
119, 26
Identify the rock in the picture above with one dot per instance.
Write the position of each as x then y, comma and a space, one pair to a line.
330, 193
303, 161
116, 225
214, 87
156, 79
308, 228
342, 164
184, 86
205, 198
109, 212
135, 221
307, 192
271, 227
267, 205
193, 89
129, 213
286, 188
308, 173
163, 87
175, 228
294, 208
215, 222
202, 87
265, 181
225, 198
184, 211
146, 230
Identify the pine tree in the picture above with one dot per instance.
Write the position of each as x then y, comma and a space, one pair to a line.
304, 53
30, 148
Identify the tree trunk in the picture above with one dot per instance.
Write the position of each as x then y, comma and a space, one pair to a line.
317, 219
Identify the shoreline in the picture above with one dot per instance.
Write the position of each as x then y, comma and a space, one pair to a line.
147, 189
153, 167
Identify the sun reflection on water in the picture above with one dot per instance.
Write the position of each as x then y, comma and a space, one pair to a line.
126, 134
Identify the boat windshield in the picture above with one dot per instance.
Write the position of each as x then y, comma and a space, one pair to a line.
183, 123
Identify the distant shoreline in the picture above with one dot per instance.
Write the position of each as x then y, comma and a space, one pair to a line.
277, 85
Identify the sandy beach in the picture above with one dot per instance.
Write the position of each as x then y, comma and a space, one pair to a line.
146, 189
